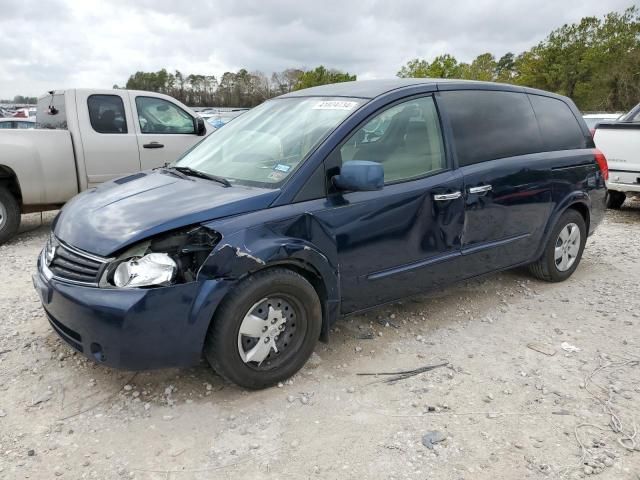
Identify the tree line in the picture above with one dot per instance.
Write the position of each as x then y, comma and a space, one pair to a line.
21, 100
595, 62
232, 89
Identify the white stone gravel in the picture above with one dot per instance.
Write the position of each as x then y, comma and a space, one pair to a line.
506, 411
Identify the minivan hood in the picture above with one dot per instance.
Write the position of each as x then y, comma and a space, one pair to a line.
119, 213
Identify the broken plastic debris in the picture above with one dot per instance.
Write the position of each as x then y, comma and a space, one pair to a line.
545, 349
567, 347
431, 438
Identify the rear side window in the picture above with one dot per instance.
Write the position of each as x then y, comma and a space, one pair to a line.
50, 112
559, 127
106, 113
490, 124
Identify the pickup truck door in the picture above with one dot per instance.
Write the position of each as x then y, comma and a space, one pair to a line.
165, 129
108, 138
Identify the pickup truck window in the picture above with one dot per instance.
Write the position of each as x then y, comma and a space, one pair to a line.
51, 112
106, 113
160, 116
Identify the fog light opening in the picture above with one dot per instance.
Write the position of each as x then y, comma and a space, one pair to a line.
96, 351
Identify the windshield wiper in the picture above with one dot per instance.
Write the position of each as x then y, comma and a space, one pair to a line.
170, 171
198, 173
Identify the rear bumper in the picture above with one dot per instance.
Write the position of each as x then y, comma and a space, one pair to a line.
133, 329
624, 181
623, 187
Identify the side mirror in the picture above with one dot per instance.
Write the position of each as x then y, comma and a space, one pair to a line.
360, 176
201, 129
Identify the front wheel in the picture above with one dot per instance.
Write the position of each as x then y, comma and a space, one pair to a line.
265, 329
564, 249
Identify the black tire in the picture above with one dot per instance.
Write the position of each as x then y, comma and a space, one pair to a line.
9, 215
615, 199
545, 268
222, 348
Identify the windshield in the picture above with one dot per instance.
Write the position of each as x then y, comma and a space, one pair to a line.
265, 145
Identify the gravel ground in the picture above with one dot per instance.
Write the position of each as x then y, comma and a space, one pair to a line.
510, 404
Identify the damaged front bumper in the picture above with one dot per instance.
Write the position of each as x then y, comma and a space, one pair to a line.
135, 328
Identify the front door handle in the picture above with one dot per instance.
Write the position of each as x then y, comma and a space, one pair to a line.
481, 189
442, 197
153, 145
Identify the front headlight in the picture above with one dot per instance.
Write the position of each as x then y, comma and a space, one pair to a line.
167, 259
152, 269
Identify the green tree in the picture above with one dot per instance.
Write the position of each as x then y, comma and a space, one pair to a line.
483, 68
322, 76
416, 68
594, 61
443, 66
505, 68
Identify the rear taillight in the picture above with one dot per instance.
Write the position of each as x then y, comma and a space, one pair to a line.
601, 160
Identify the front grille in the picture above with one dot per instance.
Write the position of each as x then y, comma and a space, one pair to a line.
76, 266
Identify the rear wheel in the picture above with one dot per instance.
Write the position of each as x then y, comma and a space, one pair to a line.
615, 199
9, 215
564, 249
265, 330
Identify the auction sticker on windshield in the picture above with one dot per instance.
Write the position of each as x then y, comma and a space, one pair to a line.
335, 105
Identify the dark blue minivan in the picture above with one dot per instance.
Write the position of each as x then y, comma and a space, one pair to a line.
320, 203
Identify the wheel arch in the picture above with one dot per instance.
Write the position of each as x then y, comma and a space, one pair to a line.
234, 260
9, 180
578, 202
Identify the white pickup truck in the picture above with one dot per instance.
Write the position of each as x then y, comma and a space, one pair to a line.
83, 138
620, 143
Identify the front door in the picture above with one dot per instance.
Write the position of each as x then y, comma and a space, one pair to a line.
405, 238
165, 131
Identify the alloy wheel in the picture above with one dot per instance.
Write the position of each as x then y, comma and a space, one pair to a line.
567, 247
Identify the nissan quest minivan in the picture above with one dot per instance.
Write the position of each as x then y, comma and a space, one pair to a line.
318, 204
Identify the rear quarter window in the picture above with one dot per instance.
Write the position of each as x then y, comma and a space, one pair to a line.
51, 112
488, 125
558, 125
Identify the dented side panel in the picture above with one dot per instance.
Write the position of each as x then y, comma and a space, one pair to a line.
388, 243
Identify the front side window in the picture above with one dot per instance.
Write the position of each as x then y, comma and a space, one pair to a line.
157, 115
265, 145
406, 139
106, 114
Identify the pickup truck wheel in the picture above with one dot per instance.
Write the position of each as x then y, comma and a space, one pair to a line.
265, 329
9, 215
564, 249
615, 199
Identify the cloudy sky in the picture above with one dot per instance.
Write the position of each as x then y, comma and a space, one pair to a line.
47, 44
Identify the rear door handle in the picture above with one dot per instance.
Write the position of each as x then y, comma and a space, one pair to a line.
153, 145
441, 197
481, 189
